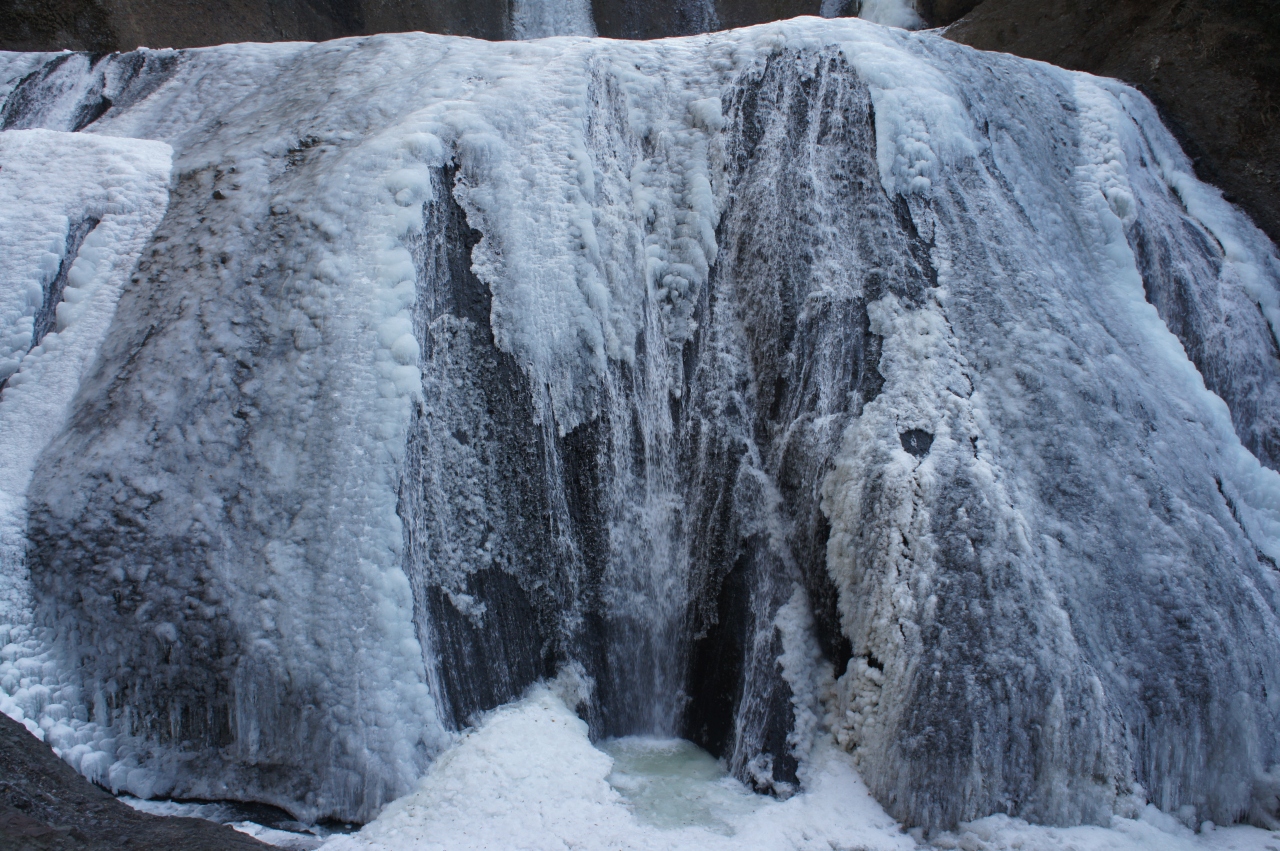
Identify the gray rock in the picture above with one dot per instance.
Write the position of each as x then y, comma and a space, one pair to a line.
46, 806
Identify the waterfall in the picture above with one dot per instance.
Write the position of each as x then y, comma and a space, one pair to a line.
814, 381
542, 18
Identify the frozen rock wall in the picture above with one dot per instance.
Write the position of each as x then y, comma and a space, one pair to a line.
812, 379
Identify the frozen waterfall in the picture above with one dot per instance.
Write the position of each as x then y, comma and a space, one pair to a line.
815, 382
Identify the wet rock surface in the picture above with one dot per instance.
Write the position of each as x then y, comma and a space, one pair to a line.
46, 806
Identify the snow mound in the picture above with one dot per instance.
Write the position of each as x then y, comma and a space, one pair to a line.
528, 777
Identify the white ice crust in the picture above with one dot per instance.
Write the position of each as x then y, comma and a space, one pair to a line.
546, 18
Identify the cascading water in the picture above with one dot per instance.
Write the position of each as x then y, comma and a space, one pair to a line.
795, 383
543, 18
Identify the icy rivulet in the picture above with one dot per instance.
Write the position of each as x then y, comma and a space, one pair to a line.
813, 379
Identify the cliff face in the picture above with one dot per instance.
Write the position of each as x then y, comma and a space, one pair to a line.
644, 19
109, 25
1212, 68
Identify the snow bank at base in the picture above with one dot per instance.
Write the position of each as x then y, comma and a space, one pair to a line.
529, 778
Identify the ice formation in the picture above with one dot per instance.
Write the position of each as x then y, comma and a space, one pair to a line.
816, 381
890, 13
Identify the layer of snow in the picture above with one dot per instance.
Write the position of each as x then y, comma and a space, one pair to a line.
528, 777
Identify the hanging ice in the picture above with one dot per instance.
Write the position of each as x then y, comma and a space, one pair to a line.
813, 379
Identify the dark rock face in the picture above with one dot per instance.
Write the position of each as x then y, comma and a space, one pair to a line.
46, 806
100, 26
1212, 68
745, 13
916, 441
645, 19
500, 625
51, 25
641, 19
939, 13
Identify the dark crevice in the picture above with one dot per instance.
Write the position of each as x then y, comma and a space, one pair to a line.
47, 314
485, 637
716, 664
916, 441
492, 630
